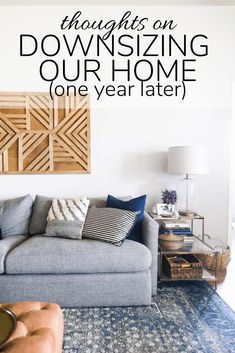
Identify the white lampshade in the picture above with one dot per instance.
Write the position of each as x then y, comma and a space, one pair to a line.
187, 160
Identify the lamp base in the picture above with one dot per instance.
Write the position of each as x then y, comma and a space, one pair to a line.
186, 202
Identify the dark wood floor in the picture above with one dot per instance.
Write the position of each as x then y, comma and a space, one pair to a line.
226, 289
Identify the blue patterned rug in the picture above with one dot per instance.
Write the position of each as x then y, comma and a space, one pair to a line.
184, 318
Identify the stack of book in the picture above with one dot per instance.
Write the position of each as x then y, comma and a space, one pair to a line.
178, 227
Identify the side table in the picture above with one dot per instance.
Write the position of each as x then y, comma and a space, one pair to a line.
198, 247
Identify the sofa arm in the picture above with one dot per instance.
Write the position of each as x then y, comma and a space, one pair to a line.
150, 229
6, 245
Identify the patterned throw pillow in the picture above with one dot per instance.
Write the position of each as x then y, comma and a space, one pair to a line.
66, 218
108, 224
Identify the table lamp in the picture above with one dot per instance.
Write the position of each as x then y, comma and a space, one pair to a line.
187, 160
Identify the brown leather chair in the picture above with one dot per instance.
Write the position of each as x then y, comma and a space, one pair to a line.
39, 328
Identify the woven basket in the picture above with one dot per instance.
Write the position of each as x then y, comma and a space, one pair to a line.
176, 271
209, 260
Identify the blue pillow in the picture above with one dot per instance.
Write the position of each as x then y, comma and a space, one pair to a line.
137, 204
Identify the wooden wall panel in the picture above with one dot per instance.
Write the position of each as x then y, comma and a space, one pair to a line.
39, 135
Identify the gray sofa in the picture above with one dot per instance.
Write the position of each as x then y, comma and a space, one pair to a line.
77, 273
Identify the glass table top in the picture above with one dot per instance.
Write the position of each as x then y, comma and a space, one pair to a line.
197, 247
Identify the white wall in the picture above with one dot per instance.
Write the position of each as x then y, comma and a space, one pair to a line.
232, 147
129, 138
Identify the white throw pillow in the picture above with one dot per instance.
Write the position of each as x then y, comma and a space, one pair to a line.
66, 218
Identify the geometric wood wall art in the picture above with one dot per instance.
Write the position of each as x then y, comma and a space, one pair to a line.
41, 136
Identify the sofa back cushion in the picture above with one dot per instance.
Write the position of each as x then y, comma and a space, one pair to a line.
38, 221
41, 208
15, 216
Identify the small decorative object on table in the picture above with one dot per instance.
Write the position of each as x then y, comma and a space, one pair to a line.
164, 210
170, 240
169, 197
176, 231
167, 207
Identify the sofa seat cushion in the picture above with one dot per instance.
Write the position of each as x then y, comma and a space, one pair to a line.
40, 254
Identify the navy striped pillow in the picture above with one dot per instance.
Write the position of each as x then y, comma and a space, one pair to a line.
108, 224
